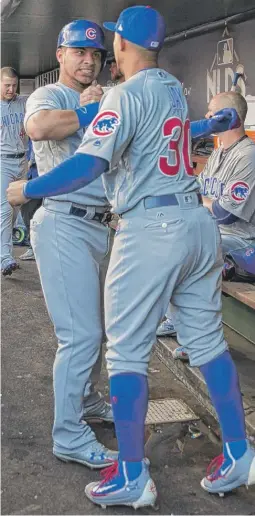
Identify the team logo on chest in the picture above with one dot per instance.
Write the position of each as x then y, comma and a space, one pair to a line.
91, 33
239, 191
105, 123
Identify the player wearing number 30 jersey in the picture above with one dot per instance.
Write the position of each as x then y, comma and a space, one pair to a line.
167, 246
155, 162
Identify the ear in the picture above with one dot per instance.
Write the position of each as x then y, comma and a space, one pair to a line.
122, 44
59, 55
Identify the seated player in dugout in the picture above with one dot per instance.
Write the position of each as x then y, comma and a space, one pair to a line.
228, 190
228, 179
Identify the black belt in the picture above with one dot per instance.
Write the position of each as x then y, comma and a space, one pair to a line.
103, 218
17, 156
170, 200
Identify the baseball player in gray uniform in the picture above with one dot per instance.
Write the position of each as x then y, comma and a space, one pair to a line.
70, 241
167, 246
14, 144
228, 190
228, 179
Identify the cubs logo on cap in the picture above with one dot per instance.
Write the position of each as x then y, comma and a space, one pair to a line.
105, 123
91, 33
239, 191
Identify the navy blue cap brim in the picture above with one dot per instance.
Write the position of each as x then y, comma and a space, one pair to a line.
110, 26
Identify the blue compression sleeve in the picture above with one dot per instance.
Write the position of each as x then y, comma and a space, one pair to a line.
129, 398
223, 216
71, 175
223, 384
200, 128
87, 113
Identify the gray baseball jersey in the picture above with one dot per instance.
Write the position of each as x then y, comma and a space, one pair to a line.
13, 137
121, 133
229, 177
51, 153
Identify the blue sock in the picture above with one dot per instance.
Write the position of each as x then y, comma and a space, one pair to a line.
133, 469
223, 384
129, 398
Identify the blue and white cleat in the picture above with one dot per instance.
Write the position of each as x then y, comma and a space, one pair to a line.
227, 473
8, 267
124, 483
95, 456
166, 329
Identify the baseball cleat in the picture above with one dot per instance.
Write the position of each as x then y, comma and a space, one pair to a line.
8, 267
124, 483
226, 473
180, 354
28, 255
96, 456
166, 329
100, 412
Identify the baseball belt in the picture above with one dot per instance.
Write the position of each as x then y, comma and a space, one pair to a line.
172, 200
103, 218
17, 156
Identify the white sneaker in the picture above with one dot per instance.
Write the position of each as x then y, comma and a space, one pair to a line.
28, 255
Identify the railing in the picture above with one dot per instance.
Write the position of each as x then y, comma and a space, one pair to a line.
47, 78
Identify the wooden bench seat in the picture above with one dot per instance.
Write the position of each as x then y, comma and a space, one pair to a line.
244, 292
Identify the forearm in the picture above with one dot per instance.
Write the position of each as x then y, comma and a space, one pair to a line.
54, 124
57, 124
71, 175
200, 128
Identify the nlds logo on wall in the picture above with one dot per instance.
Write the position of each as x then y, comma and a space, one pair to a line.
225, 63
105, 123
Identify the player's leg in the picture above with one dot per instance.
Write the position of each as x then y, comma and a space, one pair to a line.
68, 252
9, 171
232, 243
136, 297
228, 243
197, 306
95, 406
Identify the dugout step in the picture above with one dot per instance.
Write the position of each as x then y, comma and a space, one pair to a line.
242, 351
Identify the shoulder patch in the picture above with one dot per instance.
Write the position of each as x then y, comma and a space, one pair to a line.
105, 123
239, 191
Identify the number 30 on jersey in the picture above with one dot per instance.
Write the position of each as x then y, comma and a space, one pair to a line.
179, 144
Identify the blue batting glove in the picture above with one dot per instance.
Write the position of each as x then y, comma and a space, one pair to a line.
224, 120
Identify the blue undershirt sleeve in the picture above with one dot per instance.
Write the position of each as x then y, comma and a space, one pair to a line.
223, 216
71, 175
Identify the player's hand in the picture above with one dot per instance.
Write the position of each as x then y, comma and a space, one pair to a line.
15, 194
224, 120
93, 93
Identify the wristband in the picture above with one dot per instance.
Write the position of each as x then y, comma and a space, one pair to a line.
87, 113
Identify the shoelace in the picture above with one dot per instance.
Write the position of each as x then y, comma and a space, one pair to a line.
213, 470
109, 473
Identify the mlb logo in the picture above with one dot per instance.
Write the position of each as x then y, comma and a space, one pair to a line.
225, 51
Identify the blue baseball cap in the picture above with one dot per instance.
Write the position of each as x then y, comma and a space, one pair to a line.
141, 25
